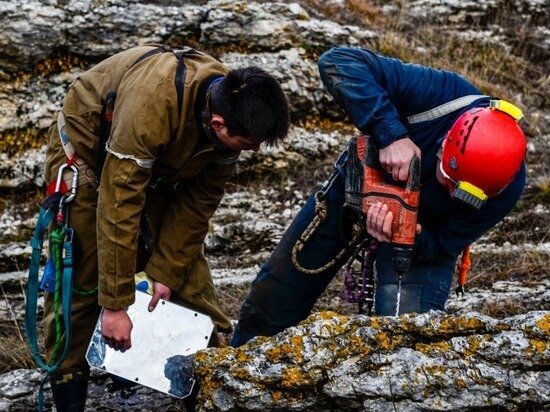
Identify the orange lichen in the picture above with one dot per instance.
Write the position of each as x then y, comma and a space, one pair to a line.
384, 341
544, 324
374, 323
433, 348
461, 383
539, 346
293, 377
460, 324
276, 396
60, 63
292, 350
242, 356
19, 140
435, 370
242, 374
358, 345
474, 343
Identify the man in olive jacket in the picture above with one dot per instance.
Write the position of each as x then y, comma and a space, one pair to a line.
173, 123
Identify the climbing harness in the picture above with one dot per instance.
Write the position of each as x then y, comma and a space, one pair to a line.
57, 277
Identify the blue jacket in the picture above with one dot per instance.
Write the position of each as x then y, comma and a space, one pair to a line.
379, 93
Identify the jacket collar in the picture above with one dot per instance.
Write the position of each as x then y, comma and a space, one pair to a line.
203, 113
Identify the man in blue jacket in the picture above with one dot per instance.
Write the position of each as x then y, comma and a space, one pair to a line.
472, 174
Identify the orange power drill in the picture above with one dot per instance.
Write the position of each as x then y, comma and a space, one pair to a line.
367, 184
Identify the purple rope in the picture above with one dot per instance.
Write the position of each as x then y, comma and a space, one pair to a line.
359, 292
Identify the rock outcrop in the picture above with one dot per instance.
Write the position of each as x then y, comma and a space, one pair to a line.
431, 361
273, 34
457, 361
428, 362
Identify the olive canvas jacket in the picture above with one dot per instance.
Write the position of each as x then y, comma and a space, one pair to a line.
149, 142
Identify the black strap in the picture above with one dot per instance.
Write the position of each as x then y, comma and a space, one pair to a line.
105, 122
180, 53
180, 79
152, 52
109, 103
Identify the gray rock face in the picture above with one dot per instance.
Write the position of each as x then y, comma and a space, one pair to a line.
93, 30
22, 170
273, 26
101, 28
86, 28
431, 361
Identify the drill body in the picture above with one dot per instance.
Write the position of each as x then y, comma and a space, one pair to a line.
369, 184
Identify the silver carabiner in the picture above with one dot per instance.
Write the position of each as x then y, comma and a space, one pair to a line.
74, 184
74, 181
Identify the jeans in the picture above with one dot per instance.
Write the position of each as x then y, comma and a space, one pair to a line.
281, 296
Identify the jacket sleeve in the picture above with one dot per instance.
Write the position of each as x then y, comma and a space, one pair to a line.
446, 241
144, 115
186, 223
378, 92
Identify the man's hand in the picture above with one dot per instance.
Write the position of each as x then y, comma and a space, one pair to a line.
379, 220
116, 328
396, 158
160, 291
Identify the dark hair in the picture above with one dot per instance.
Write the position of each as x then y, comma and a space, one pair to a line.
252, 103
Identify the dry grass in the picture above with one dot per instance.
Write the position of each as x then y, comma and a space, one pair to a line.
527, 268
14, 350
503, 309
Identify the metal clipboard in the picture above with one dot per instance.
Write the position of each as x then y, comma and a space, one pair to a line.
162, 342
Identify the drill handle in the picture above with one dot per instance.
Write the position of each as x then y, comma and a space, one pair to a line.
372, 160
372, 157
413, 182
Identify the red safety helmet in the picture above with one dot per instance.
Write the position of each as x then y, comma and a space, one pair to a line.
483, 152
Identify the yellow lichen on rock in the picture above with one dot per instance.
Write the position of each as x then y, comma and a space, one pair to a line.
358, 346
18, 140
474, 343
433, 348
544, 324
292, 350
384, 341
276, 396
241, 356
452, 324
538, 346
60, 63
293, 377
461, 383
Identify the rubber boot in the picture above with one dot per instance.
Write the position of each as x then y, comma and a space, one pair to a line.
70, 396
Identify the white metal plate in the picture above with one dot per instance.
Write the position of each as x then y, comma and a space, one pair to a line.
162, 341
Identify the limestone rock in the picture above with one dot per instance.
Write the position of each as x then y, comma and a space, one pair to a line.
89, 28
431, 361
25, 169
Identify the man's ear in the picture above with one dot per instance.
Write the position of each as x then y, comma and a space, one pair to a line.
217, 122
